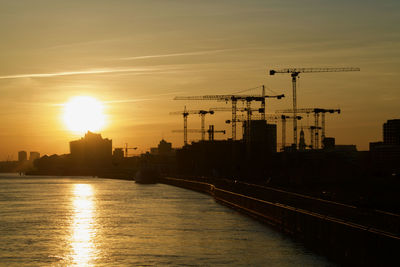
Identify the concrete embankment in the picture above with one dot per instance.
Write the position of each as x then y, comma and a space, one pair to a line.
347, 242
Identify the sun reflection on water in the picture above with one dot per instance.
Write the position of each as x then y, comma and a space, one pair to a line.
83, 230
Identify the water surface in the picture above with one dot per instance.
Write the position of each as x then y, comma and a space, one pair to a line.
83, 221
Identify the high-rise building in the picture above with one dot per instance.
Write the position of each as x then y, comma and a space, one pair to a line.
34, 155
391, 132
22, 156
163, 148
386, 155
262, 134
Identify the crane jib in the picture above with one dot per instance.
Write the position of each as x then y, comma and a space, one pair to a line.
296, 71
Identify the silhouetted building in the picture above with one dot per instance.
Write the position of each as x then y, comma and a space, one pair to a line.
118, 153
391, 132
386, 155
391, 137
262, 135
22, 156
346, 148
218, 158
91, 150
163, 148
34, 155
328, 143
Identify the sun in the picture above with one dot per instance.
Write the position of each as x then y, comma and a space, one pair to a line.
84, 113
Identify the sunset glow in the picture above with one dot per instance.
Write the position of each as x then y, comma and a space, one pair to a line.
84, 113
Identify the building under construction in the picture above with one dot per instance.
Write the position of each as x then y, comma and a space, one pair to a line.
230, 158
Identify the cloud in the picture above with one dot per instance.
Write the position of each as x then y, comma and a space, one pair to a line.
83, 72
139, 99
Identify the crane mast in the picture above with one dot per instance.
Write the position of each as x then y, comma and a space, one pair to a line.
294, 72
203, 115
234, 108
185, 115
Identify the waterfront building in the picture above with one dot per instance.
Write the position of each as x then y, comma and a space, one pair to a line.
91, 150
391, 132
22, 156
386, 154
261, 135
163, 148
328, 143
34, 155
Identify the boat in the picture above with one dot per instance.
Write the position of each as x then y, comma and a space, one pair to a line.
147, 175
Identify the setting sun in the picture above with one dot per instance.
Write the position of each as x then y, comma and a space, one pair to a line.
84, 113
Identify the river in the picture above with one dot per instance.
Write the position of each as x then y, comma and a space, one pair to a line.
82, 221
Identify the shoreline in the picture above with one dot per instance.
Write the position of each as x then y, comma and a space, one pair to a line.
353, 243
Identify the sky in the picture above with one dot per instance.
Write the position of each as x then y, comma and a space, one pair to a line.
136, 56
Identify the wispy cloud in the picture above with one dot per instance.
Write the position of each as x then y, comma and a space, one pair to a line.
83, 72
196, 53
136, 70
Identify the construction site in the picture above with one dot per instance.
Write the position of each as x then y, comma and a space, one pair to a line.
250, 111
341, 201
258, 150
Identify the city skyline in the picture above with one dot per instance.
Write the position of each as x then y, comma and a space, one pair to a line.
136, 56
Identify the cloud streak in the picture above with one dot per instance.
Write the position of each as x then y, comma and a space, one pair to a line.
83, 72
197, 53
137, 70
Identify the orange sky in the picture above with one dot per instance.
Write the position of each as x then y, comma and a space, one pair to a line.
135, 56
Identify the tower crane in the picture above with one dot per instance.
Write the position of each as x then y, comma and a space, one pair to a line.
185, 114
313, 129
211, 132
234, 99
317, 112
294, 72
323, 111
283, 126
127, 148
